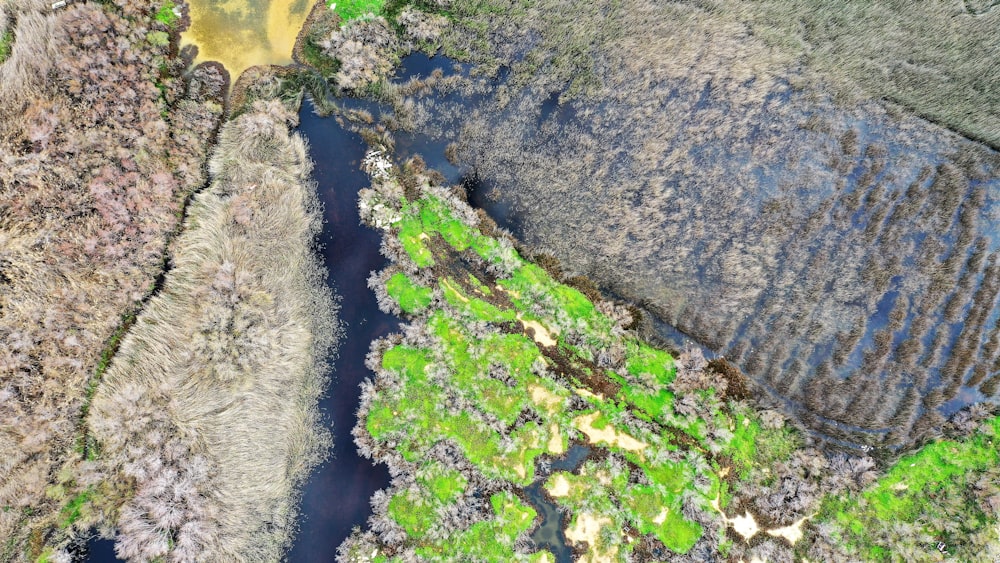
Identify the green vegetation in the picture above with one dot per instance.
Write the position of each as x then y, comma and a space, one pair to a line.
412, 298
492, 540
353, 9
504, 397
948, 492
75, 508
511, 367
6, 44
166, 14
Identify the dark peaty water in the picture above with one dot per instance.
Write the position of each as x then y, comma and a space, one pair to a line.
335, 499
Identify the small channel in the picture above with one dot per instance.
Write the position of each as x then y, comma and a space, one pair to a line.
550, 534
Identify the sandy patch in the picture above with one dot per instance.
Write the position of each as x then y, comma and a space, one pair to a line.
424, 236
555, 440
661, 517
792, 532
542, 335
545, 398
608, 434
519, 468
447, 282
558, 486
587, 529
511, 292
587, 394
744, 525
747, 527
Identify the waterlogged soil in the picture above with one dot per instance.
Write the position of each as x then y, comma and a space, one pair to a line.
550, 533
844, 257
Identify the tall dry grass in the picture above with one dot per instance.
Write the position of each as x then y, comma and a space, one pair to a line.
32, 52
209, 409
101, 141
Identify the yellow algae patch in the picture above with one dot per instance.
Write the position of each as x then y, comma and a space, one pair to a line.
558, 486
542, 335
792, 532
608, 434
555, 440
545, 398
243, 33
587, 528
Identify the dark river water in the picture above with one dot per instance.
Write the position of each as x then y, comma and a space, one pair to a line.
336, 496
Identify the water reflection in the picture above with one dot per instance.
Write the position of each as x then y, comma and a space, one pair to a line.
243, 33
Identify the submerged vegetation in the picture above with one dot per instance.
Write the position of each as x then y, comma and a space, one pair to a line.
832, 245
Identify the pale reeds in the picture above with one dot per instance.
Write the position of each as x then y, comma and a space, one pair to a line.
210, 406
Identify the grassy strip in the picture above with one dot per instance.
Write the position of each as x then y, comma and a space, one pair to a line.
353, 9
411, 297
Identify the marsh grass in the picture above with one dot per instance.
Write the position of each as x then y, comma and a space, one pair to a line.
209, 407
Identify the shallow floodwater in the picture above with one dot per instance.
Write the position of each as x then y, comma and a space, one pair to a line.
243, 33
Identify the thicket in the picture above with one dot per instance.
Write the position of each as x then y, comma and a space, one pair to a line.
102, 138
502, 369
206, 422
358, 43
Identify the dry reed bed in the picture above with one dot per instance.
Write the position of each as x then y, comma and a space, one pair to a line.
208, 414
101, 141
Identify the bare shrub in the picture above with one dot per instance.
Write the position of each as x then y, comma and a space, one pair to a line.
95, 167
366, 48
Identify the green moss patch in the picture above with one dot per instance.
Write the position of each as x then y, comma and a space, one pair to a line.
410, 296
934, 490
353, 9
